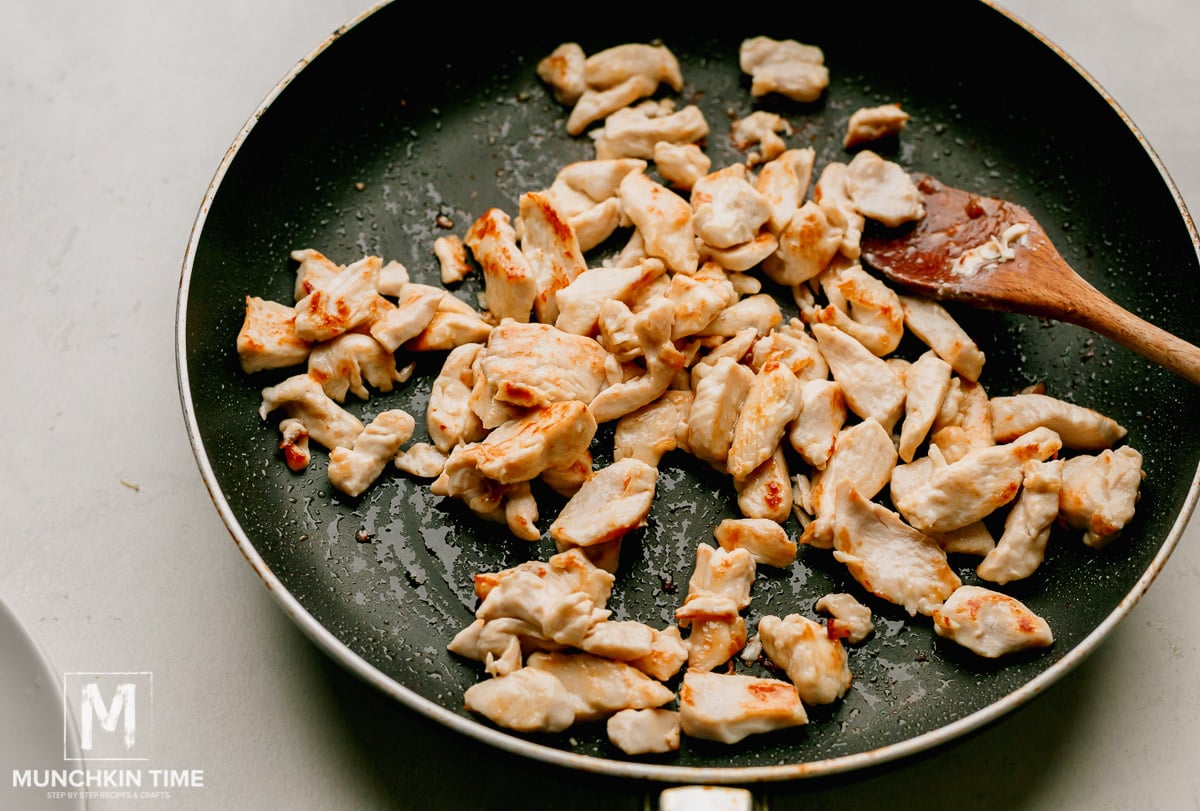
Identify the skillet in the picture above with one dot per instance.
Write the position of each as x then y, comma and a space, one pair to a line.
364, 145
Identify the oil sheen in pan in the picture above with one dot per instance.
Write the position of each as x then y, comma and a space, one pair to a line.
382, 582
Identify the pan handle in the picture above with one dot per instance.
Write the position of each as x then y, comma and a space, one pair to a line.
708, 798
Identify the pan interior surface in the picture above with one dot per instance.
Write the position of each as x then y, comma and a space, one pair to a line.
369, 147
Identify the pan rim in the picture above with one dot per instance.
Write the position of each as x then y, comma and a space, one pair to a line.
340, 652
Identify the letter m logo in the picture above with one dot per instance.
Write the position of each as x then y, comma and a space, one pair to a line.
112, 717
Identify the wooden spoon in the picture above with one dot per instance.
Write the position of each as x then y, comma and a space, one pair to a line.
993, 254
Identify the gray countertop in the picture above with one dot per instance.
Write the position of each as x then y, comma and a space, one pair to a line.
115, 117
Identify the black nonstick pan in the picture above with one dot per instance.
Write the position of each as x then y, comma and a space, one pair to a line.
373, 146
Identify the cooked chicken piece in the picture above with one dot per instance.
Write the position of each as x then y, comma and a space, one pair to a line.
760, 311
766, 541
771, 404
451, 254
807, 244
352, 470
521, 449
787, 67
762, 129
563, 71
864, 307
849, 619
452, 325
964, 421
784, 181
392, 277
350, 362
822, 415
421, 459
341, 303
888, 557
534, 364
559, 600
566, 479
935, 326
448, 417
681, 165
652, 326
815, 662
644, 732
767, 491
552, 250
831, 193
973, 539
634, 132
623, 640
1022, 546
520, 511
722, 573
740, 258
601, 686
864, 456
698, 299
873, 123
668, 652
655, 429
736, 347
1099, 493
955, 494
726, 208
526, 700
267, 339
580, 302
796, 350
509, 283
612, 502
925, 384
719, 396
882, 190
616, 64
314, 269
664, 220
1081, 428
597, 105
294, 444
730, 707
870, 387
989, 623
717, 631
581, 185
302, 398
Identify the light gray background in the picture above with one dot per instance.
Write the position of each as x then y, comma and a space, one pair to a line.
113, 118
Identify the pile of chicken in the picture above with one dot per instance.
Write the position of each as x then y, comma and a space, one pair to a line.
674, 340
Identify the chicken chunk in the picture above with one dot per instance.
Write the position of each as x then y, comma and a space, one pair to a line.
509, 283
652, 330
889, 558
415, 308
294, 444
644, 732
772, 402
718, 399
352, 470
766, 540
421, 459
873, 123
784, 181
302, 398
664, 220
989, 623
767, 491
668, 652
351, 362
933, 324
763, 129
786, 67
522, 448
681, 165
531, 365
526, 700
634, 132
601, 687
563, 70
870, 387
552, 249
808, 242
926, 385
1081, 428
814, 662
612, 502
1100, 493
832, 194
727, 209
451, 254
314, 268
849, 619
449, 417
267, 338
654, 429
1022, 546
581, 302
822, 416
340, 303
599, 104
730, 707
882, 190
